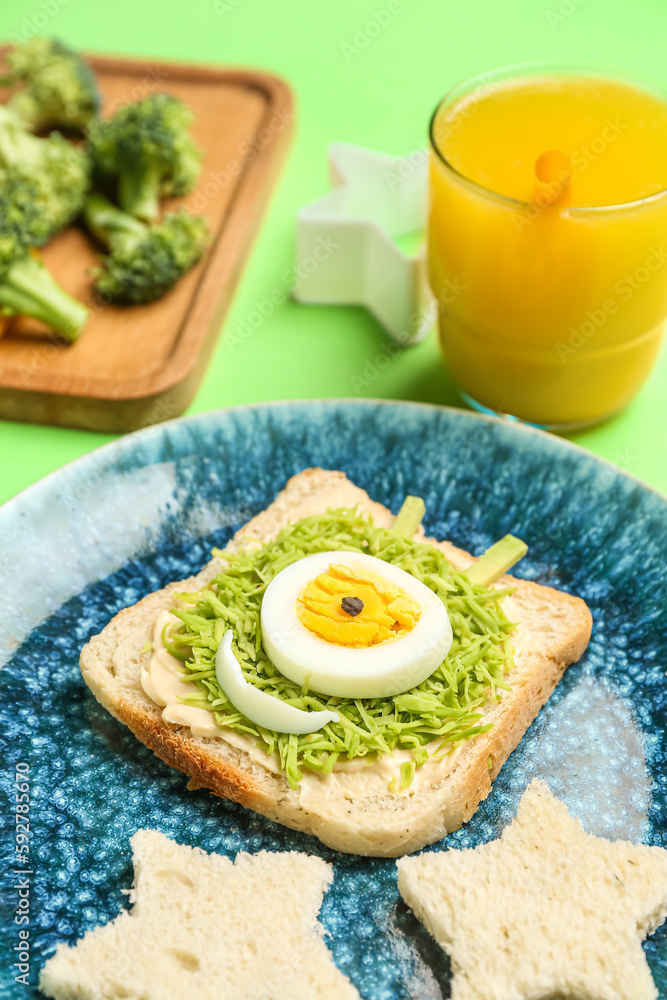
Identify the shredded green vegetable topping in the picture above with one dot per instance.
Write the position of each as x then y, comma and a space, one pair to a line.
445, 707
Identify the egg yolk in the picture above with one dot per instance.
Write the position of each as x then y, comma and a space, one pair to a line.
387, 612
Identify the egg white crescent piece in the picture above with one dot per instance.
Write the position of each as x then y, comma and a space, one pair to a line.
379, 671
259, 706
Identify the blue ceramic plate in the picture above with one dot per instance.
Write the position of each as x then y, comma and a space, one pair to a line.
123, 521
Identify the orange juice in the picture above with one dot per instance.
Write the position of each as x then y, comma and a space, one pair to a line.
548, 241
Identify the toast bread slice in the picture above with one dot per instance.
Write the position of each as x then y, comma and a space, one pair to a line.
351, 813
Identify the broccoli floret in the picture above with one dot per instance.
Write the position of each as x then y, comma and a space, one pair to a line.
19, 203
55, 174
26, 287
147, 150
59, 87
145, 261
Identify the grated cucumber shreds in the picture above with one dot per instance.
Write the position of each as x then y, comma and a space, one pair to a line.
446, 706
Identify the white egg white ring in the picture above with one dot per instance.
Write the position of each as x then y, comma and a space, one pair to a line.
345, 671
259, 706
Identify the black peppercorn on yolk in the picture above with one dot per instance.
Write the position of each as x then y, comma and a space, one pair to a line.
387, 613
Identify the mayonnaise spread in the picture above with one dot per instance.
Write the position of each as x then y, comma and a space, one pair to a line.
162, 680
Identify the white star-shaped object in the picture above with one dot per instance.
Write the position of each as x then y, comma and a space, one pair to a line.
208, 928
347, 249
547, 910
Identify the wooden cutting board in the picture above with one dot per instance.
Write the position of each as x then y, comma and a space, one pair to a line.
135, 366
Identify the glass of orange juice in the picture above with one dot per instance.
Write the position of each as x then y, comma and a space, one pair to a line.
548, 240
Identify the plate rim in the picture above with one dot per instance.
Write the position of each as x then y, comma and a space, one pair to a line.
144, 433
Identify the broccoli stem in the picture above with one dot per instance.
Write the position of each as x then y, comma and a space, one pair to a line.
7, 148
12, 134
111, 226
139, 190
28, 110
18, 147
28, 289
496, 561
410, 516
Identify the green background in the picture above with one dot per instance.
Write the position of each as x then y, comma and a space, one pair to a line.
378, 95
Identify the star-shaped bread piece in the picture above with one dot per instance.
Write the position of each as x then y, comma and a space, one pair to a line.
205, 927
546, 910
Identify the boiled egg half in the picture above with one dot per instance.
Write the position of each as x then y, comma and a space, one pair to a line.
353, 626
